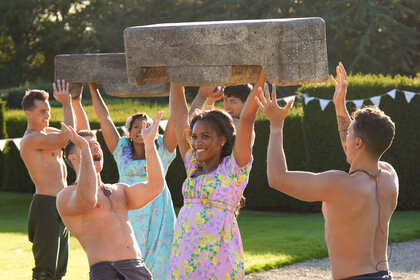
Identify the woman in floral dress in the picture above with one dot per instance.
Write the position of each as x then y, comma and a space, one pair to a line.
153, 224
207, 242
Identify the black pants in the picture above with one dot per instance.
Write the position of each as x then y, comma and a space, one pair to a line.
380, 275
49, 237
133, 269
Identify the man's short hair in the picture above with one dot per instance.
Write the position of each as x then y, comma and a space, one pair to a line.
31, 95
68, 149
375, 129
241, 91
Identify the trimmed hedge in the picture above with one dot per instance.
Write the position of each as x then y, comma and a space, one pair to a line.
311, 143
323, 141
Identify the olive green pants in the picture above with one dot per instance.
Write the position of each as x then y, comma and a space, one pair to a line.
49, 237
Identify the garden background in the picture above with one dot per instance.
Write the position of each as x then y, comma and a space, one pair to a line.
377, 41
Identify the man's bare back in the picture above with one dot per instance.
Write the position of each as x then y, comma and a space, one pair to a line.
356, 241
45, 165
110, 217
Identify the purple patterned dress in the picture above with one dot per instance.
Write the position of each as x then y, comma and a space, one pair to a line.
207, 242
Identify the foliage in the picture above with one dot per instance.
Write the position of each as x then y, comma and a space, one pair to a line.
320, 126
311, 142
270, 240
368, 35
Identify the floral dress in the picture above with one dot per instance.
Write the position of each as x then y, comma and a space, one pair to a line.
207, 242
153, 224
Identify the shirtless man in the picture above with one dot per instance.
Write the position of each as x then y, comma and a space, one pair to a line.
41, 152
97, 213
357, 206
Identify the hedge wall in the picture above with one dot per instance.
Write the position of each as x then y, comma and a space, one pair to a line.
311, 143
323, 141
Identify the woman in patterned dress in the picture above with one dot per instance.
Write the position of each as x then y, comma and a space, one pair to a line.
153, 224
207, 243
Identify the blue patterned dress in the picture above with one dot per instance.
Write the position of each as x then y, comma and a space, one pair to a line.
153, 224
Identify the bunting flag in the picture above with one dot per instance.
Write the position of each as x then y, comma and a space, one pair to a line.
17, 142
392, 93
323, 103
376, 100
358, 103
409, 95
3, 144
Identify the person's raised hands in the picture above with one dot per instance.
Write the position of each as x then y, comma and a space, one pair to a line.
340, 84
78, 98
61, 91
211, 93
149, 133
269, 106
70, 133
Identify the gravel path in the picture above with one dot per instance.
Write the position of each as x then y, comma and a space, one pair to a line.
404, 264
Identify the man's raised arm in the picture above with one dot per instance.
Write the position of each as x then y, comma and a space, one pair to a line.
82, 122
62, 95
302, 185
140, 194
85, 196
339, 99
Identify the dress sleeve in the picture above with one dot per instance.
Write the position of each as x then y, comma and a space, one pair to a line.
189, 159
122, 144
238, 175
165, 156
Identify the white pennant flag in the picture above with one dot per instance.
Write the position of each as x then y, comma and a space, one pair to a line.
17, 142
409, 95
308, 99
376, 100
358, 103
2, 144
392, 93
287, 99
163, 124
323, 103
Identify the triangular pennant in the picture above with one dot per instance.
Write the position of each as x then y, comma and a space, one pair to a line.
308, 99
17, 142
358, 103
287, 99
3, 144
409, 95
163, 124
392, 93
376, 100
323, 103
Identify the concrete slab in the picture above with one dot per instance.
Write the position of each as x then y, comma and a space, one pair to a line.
108, 69
291, 52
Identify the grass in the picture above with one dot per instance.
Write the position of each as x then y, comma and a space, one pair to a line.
270, 239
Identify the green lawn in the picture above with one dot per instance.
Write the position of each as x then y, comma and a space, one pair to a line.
270, 239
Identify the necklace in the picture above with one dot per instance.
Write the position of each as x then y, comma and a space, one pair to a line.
107, 191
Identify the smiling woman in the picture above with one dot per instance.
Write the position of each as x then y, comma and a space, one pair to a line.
207, 242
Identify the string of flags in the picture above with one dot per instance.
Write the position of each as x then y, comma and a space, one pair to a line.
323, 103
16, 141
376, 100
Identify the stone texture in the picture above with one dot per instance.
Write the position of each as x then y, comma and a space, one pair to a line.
291, 52
108, 69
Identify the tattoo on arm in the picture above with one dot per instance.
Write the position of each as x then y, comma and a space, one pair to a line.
343, 125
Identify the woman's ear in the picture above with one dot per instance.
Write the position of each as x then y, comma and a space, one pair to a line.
222, 141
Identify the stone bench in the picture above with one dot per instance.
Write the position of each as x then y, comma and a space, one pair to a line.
291, 52
108, 69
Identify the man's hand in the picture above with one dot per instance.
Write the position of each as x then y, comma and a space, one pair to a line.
61, 92
149, 133
211, 93
340, 85
269, 106
69, 132
78, 98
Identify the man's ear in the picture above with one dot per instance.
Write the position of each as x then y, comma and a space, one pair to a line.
359, 143
73, 159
